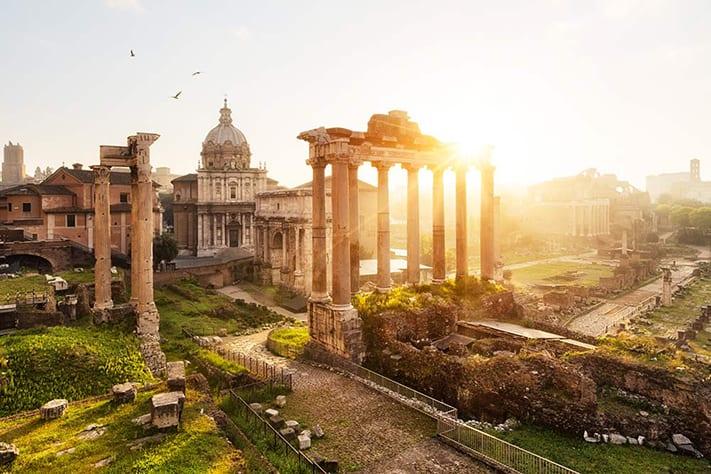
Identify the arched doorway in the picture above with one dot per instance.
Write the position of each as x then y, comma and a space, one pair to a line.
30, 262
234, 232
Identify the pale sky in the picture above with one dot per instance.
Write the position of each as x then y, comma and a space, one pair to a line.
555, 86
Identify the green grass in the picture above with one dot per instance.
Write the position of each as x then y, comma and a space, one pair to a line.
684, 309
588, 458
23, 284
561, 273
196, 448
288, 341
65, 362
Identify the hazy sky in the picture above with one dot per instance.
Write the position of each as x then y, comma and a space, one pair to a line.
555, 86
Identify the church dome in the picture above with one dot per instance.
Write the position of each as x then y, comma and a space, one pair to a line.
225, 132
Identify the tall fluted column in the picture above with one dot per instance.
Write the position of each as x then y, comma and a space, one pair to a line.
319, 290
354, 217
488, 262
461, 224
383, 283
134, 229
413, 225
341, 254
102, 238
142, 238
438, 254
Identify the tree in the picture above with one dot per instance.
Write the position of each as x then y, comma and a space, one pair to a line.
680, 216
701, 218
165, 248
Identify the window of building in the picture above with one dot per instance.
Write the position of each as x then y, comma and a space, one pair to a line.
26, 207
123, 197
9, 207
71, 220
177, 197
233, 192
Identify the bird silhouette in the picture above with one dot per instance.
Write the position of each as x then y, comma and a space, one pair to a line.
196, 73
176, 95
132, 55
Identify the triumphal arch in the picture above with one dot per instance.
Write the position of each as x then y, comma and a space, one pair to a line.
136, 156
391, 139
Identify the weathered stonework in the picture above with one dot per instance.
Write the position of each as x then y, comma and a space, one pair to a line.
336, 330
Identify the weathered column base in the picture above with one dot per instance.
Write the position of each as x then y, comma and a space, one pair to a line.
337, 329
438, 281
147, 324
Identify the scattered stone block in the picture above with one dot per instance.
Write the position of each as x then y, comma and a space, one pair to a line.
606, 438
632, 441
167, 409
288, 433
306, 433
104, 462
142, 420
257, 407
8, 453
591, 439
280, 401
271, 412
293, 424
617, 439
304, 442
176, 376
643, 413
124, 392
671, 448
92, 431
140, 442
276, 421
318, 432
64, 451
53, 409
679, 439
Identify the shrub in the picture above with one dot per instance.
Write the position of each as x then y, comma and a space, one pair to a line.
288, 341
62, 362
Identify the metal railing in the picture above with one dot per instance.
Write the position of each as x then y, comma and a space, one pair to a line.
256, 367
477, 443
304, 463
495, 451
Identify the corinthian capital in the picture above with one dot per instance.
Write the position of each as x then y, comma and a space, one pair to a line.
102, 174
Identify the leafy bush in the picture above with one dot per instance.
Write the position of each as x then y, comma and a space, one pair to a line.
62, 362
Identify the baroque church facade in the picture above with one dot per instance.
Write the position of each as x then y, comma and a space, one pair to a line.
214, 208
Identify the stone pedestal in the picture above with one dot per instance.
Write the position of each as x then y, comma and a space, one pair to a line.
336, 330
124, 392
53, 409
175, 372
167, 409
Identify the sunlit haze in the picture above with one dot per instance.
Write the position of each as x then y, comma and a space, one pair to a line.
556, 87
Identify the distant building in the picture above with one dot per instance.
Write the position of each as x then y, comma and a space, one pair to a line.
163, 176
213, 209
684, 185
13, 164
283, 233
62, 206
587, 205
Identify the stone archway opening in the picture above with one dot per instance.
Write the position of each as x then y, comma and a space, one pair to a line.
36, 263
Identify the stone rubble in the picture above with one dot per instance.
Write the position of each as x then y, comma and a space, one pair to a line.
280, 401
124, 392
167, 409
53, 409
176, 376
92, 431
8, 453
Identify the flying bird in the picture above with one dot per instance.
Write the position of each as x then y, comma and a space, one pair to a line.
196, 73
176, 95
132, 55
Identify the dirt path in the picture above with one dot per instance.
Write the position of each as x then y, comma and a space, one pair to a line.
236, 292
366, 431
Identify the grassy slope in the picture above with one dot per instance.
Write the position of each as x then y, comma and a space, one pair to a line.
547, 273
12, 286
590, 458
67, 362
290, 340
198, 447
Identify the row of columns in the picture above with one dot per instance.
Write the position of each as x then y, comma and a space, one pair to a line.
345, 258
209, 224
590, 218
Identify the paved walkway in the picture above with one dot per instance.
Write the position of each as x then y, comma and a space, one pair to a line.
529, 333
621, 309
236, 292
366, 431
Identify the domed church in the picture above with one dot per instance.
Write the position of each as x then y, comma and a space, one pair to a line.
214, 208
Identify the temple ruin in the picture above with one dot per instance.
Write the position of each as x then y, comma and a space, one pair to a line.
390, 140
135, 156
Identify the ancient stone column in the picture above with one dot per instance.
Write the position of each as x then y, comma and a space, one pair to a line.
319, 289
438, 253
297, 249
147, 319
383, 283
341, 254
497, 237
102, 238
461, 221
284, 240
667, 287
488, 262
413, 225
354, 217
134, 220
